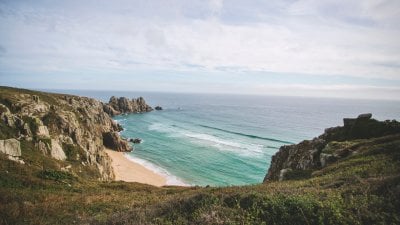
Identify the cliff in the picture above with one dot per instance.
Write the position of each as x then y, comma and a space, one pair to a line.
304, 159
70, 129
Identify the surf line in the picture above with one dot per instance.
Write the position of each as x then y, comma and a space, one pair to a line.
247, 135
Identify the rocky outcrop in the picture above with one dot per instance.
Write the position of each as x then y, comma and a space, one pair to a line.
335, 143
112, 140
66, 127
158, 108
56, 150
123, 105
12, 148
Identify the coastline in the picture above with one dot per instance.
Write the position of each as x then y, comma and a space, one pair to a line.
129, 171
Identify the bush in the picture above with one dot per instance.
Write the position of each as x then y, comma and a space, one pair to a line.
55, 175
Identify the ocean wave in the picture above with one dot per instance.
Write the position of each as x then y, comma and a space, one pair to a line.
247, 135
170, 179
223, 144
241, 148
120, 120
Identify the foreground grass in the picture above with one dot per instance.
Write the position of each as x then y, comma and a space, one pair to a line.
363, 188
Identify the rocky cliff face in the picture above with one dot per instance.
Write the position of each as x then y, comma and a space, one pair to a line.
301, 159
124, 105
65, 127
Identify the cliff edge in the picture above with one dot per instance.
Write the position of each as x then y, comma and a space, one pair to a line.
71, 130
302, 160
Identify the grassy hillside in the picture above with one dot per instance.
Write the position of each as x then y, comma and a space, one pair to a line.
361, 188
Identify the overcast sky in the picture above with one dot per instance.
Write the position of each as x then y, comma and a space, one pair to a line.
305, 48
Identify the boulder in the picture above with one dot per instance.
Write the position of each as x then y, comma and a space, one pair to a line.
113, 141
136, 140
158, 108
6, 116
42, 131
56, 150
365, 116
11, 147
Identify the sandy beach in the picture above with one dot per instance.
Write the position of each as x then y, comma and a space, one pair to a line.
129, 171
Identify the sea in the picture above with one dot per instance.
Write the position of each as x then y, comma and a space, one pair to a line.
228, 140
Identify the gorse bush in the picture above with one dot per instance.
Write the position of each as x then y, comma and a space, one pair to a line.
55, 175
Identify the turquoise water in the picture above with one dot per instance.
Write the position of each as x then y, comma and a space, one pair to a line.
222, 140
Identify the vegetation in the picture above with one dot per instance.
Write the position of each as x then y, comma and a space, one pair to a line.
361, 189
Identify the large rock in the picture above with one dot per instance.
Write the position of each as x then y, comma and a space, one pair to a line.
42, 131
124, 105
318, 153
10, 147
6, 116
56, 150
113, 141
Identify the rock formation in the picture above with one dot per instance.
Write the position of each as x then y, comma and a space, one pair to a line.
158, 108
64, 127
113, 140
124, 105
12, 148
300, 159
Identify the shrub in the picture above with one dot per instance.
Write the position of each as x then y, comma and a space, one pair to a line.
55, 175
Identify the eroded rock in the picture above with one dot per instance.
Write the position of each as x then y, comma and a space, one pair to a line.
328, 147
113, 141
56, 150
124, 105
12, 148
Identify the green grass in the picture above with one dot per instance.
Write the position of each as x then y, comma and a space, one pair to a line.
360, 189
56, 175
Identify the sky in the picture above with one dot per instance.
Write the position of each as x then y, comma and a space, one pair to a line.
317, 48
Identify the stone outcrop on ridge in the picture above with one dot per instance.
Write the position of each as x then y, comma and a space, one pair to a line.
335, 143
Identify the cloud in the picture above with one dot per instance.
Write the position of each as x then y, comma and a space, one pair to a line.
321, 38
216, 6
337, 91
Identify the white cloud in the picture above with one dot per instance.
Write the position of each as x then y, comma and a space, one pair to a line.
337, 91
349, 38
216, 6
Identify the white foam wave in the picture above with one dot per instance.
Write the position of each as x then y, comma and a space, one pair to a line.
171, 179
245, 149
120, 120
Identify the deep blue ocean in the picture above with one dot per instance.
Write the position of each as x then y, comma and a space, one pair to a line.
223, 140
